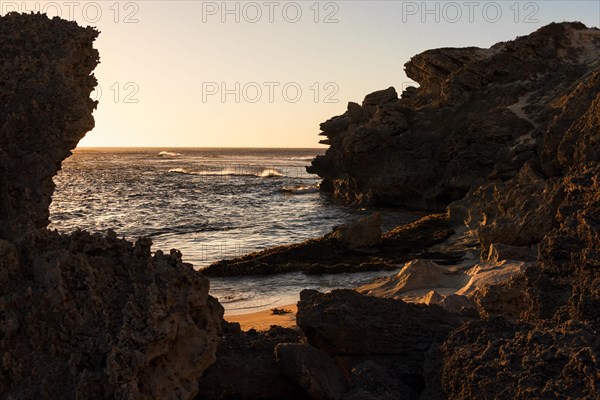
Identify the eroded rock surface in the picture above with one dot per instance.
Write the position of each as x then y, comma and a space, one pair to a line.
100, 317
515, 128
312, 369
545, 343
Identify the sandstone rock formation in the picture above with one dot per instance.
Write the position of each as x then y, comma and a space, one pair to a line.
414, 276
100, 317
81, 316
544, 344
478, 115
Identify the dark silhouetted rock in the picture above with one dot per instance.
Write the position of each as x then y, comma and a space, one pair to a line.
100, 317
246, 368
346, 323
478, 115
46, 71
372, 381
491, 359
312, 369
549, 348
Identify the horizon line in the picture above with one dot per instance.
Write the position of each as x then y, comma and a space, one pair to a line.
196, 147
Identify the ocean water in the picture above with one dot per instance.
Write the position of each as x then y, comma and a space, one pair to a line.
211, 204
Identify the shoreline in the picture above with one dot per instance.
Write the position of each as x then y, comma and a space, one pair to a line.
262, 320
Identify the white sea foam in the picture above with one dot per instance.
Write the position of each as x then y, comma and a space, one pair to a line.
270, 173
300, 189
168, 154
265, 173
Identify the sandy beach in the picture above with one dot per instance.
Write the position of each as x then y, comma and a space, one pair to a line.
262, 320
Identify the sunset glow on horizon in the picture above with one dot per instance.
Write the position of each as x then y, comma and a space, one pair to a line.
265, 74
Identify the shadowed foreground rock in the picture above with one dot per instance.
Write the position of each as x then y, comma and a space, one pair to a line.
312, 369
81, 316
99, 317
246, 368
353, 328
555, 351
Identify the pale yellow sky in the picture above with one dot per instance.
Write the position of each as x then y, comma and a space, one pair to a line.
284, 66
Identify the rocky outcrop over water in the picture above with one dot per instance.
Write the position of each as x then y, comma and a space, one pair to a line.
478, 115
353, 247
81, 316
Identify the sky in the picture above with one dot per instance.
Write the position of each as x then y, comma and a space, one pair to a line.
266, 73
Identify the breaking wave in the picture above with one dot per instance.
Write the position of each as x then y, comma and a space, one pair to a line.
264, 173
168, 154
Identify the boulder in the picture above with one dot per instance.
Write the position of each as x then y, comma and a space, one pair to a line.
363, 235
346, 323
99, 317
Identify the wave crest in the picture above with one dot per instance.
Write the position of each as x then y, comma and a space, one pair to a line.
265, 173
168, 154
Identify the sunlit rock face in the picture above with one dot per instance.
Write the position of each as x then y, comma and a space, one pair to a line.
479, 115
81, 316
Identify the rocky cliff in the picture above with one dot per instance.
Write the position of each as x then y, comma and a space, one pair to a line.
511, 133
81, 316
478, 115
45, 110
